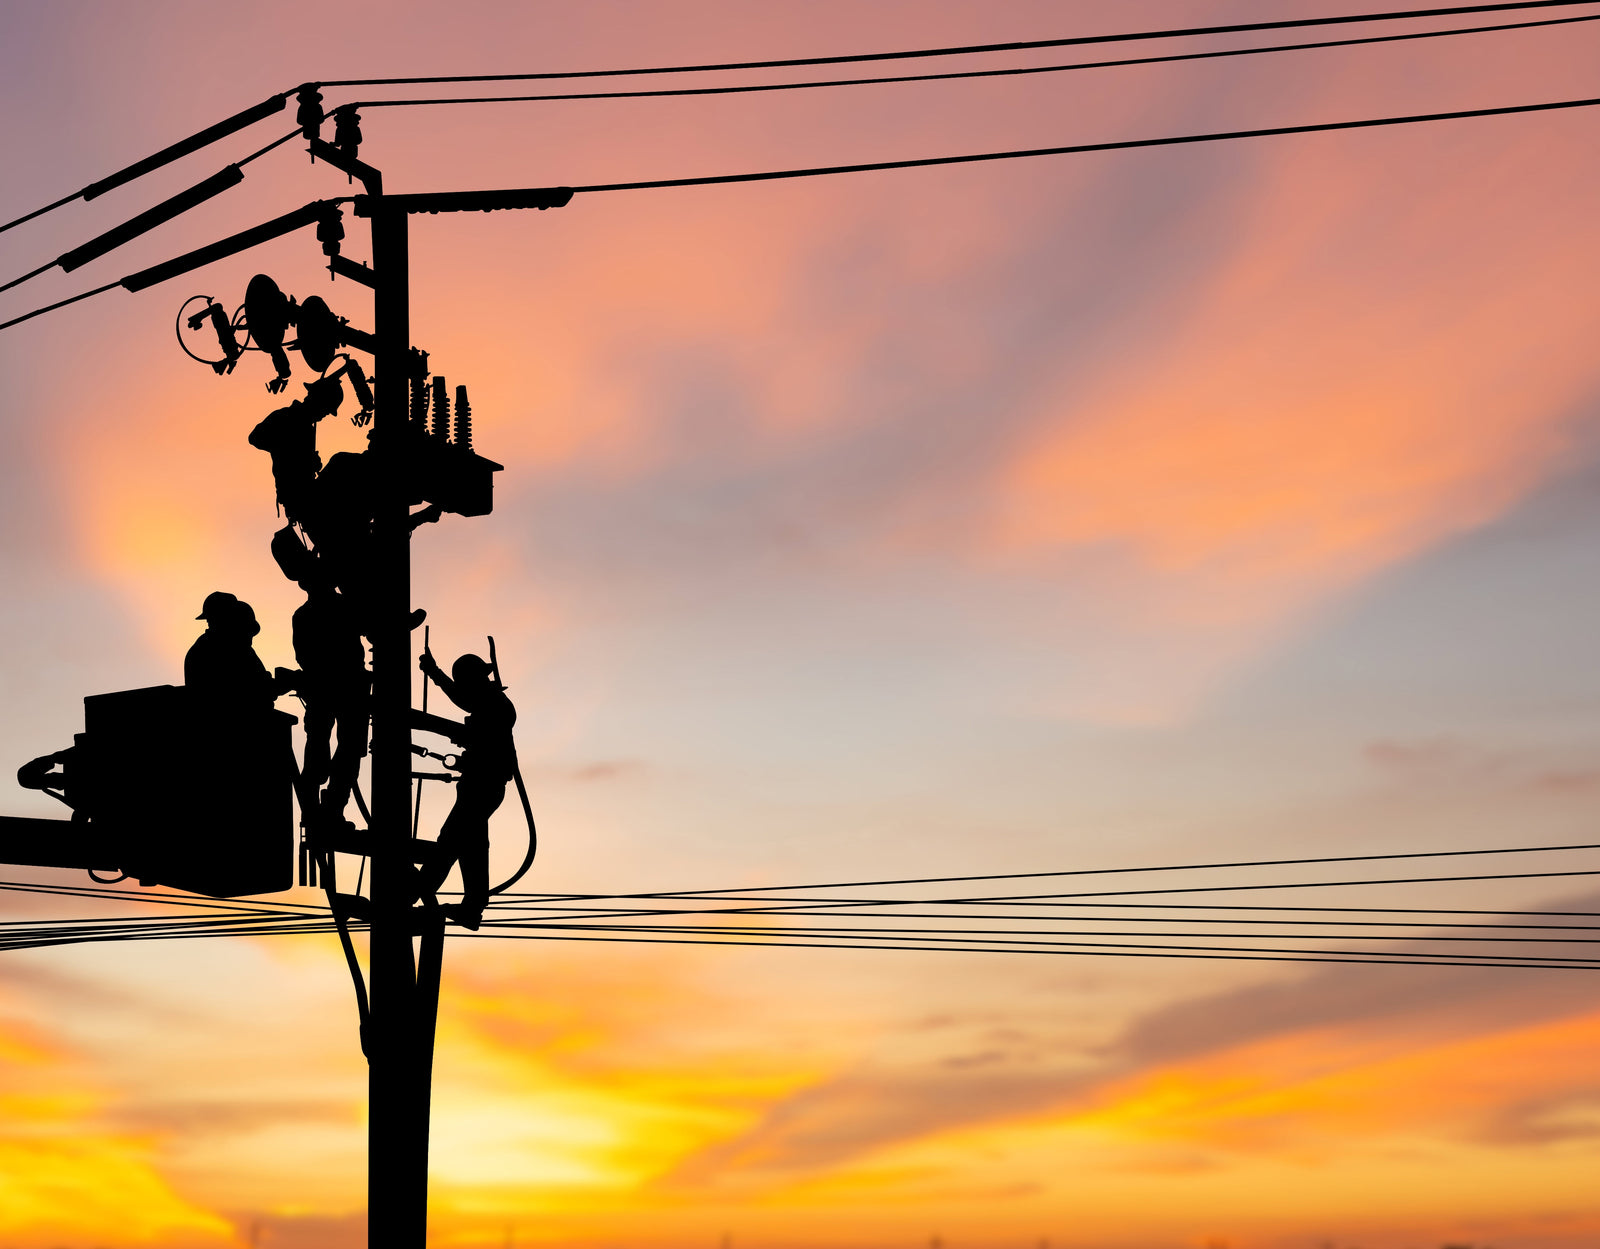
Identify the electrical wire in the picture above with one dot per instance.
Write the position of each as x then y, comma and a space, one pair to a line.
60, 260
972, 158
1059, 924
60, 303
1110, 871
1022, 45
1081, 148
276, 103
489, 931
176, 151
1055, 935
890, 940
970, 73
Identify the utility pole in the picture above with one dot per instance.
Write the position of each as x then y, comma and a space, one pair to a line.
400, 1055
407, 941
406, 928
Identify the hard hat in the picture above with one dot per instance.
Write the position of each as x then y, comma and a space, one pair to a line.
247, 615
470, 668
218, 603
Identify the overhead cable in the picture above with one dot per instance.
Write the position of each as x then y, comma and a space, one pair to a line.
1117, 871
276, 103
1018, 45
536, 195
1074, 149
148, 220
1013, 71
165, 156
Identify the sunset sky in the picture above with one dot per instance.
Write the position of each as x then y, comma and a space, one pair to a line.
1234, 500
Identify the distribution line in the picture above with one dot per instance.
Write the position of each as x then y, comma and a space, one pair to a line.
176, 151
1018, 45
273, 104
1121, 953
1075, 149
977, 157
1107, 871
780, 939
935, 941
980, 941
1071, 915
970, 73
520, 900
1029, 935
526, 912
67, 260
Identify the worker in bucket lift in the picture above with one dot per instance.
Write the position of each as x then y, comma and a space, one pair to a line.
488, 762
222, 667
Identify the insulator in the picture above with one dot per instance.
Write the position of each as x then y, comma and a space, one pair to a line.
330, 230
347, 131
440, 428
419, 404
309, 115
358, 383
463, 419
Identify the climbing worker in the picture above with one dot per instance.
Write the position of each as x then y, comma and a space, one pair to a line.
488, 762
289, 436
336, 686
336, 513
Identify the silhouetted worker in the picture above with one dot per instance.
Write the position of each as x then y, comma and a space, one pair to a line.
222, 667
337, 512
334, 681
289, 436
488, 762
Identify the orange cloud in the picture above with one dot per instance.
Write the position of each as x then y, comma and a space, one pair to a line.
65, 1174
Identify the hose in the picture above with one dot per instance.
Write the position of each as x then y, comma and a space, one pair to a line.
325, 866
533, 832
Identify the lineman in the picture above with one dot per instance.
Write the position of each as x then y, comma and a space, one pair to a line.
488, 762
289, 435
222, 667
334, 681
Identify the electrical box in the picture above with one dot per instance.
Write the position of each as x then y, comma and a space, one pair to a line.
456, 478
186, 795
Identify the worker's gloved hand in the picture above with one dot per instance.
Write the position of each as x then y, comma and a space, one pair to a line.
429, 664
427, 516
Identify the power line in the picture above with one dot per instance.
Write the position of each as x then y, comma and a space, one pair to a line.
165, 156
1108, 871
892, 941
972, 73
1050, 934
146, 221
276, 103
1150, 945
60, 303
1070, 913
1022, 45
1080, 148
488, 931
421, 203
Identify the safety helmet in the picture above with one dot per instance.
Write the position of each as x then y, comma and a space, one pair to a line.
218, 604
471, 669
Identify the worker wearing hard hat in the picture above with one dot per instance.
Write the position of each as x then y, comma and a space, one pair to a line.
488, 762
222, 667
